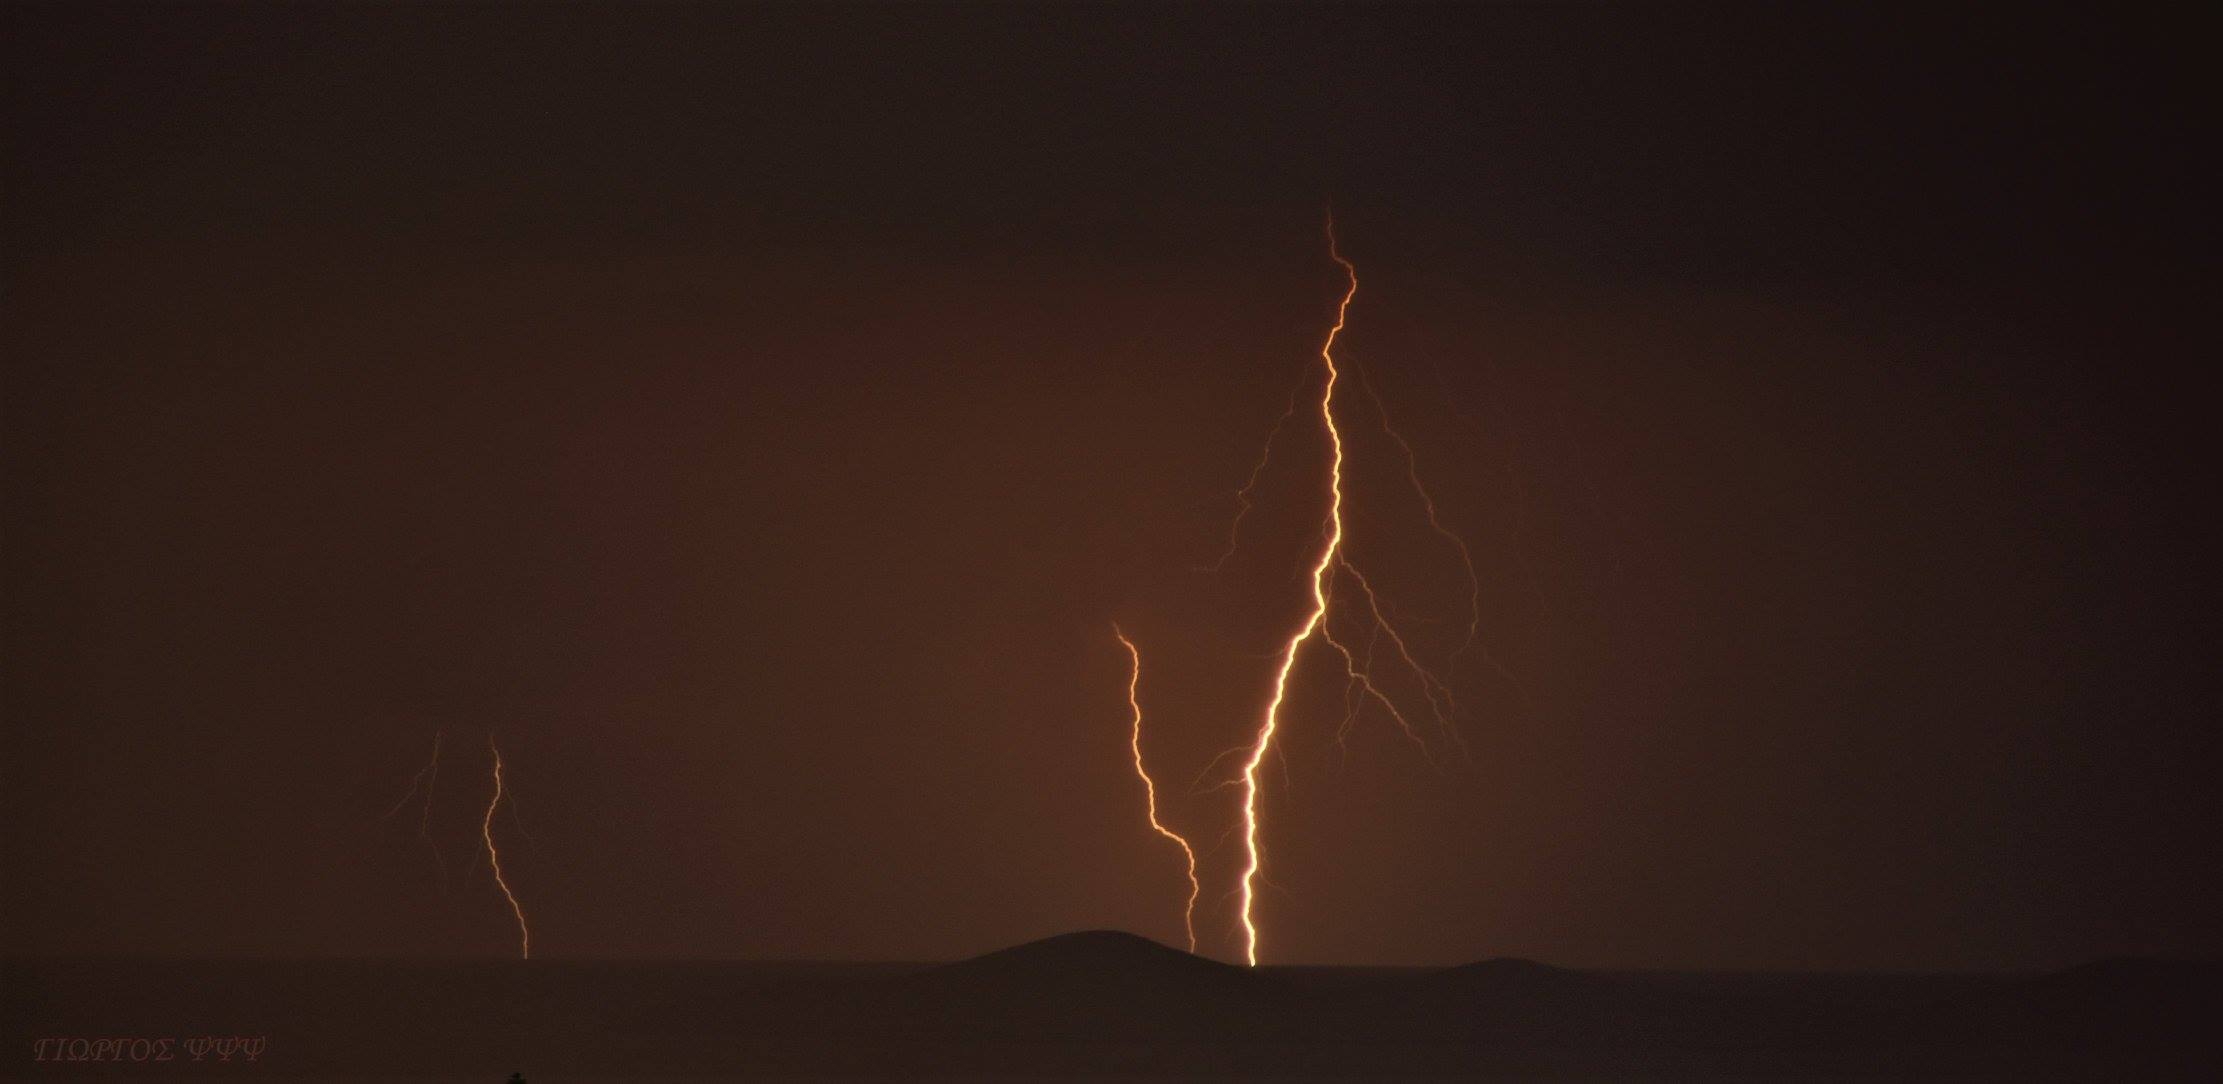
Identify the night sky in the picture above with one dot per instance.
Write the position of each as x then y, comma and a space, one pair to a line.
755, 418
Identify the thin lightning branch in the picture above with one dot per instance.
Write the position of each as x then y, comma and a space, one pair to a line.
1362, 678
494, 858
425, 777
1359, 678
1149, 788
517, 821
1523, 497
1196, 786
1312, 621
1466, 555
1440, 703
1435, 522
1352, 687
1243, 501
424, 819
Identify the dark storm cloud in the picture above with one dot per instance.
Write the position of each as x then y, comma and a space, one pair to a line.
1717, 140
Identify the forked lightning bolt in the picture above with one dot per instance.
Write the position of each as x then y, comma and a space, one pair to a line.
494, 857
1149, 788
1331, 544
1333, 567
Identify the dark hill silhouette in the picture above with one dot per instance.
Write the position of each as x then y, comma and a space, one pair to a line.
1101, 959
1093, 983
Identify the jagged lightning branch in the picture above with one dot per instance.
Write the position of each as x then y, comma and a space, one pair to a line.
1438, 694
1149, 788
1435, 522
494, 857
1359, 677
1466, 558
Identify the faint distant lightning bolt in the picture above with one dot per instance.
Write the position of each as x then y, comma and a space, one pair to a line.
494, 857
1332, 535
1149, 788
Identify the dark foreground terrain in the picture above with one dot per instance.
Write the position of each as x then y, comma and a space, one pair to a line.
1093, 1004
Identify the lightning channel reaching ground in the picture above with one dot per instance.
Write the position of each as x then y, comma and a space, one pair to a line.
1336, 577
494, 857
1332, 543
1343, 597
1149, 788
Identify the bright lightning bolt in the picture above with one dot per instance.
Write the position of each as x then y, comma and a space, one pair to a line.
494, 858
1333, 543
1149, 788
1336, 578
1334, 567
